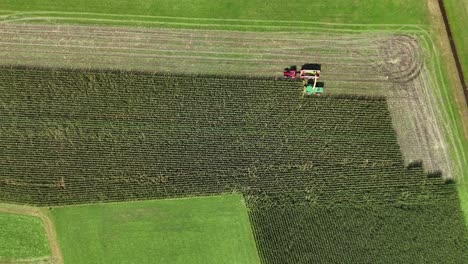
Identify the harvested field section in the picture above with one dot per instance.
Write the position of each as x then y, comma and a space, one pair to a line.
421, 135
348, 57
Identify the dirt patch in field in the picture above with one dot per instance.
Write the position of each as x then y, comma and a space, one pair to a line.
369, 63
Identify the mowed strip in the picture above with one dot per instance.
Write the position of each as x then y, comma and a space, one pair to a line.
201, 230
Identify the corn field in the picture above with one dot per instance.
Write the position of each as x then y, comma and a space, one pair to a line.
313, 170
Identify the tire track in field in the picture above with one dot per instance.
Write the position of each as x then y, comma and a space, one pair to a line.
258, 50
39, 260
49, 228
37, 15
16, 13
166, 23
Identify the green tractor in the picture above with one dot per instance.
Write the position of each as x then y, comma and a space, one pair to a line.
312, 87
309, 74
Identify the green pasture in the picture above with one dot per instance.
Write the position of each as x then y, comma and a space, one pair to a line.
340, 11
457, 12
201, 230
22, 237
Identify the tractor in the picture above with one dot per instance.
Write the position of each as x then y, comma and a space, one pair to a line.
312, 87
309, 74
290, 72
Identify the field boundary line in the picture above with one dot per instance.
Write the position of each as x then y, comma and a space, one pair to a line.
443, 95
453, 48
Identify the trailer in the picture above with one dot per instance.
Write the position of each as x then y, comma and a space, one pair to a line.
310, 71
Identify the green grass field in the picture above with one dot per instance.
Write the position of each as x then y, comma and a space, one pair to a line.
457, 12
197, 230
341, 11
22, 237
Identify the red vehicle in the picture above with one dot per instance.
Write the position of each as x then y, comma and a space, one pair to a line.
290, 72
